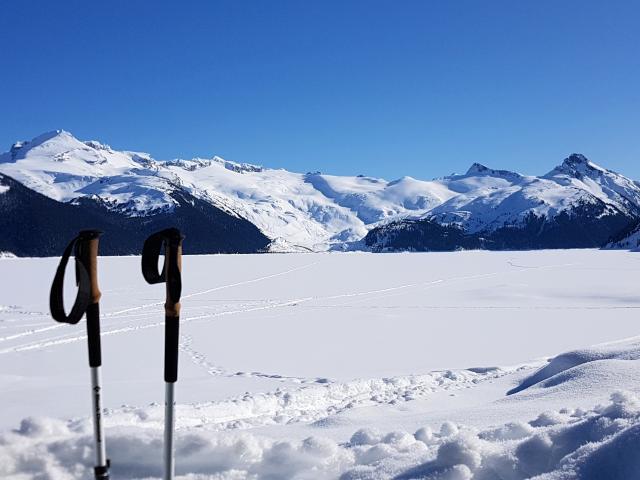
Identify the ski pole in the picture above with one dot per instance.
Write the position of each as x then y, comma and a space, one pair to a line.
85, 249
171, 239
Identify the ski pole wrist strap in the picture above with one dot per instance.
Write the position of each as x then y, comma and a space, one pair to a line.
56, 297
151, 250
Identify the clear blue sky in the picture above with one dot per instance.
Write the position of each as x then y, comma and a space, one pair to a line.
386, 88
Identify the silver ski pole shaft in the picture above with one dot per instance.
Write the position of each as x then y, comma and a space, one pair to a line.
98, 430
169, 425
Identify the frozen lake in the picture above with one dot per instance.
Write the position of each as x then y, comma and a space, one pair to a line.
250, 322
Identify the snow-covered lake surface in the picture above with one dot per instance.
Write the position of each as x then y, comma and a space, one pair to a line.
285, 357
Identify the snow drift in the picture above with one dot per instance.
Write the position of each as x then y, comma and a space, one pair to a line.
563, 444
586, 444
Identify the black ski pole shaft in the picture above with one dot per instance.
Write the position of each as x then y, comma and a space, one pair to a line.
171, 240
87, 303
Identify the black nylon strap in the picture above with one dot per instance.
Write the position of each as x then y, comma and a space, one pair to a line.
56, 298
150, 256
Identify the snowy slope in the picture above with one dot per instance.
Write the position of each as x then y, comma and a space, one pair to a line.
314, 211
577, 204
488, 199
608, 186
63, 168
319, 367
279, 202
33, 224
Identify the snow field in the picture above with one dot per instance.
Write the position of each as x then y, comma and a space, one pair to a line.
353, 366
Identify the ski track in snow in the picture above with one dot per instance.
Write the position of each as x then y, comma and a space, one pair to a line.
61, 340
132, 328
476, 307
28, 332
307, 403
200, 359
215, 289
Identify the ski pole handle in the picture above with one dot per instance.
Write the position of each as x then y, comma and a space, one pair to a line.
171, 240
87, 255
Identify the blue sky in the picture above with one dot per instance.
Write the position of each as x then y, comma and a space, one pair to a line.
387, 88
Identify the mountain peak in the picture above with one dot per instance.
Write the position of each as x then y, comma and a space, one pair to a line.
59, 136
56, 137
578, 166
478, 169
576, 159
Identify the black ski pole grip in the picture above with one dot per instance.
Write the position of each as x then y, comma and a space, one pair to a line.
93, 335
171, 339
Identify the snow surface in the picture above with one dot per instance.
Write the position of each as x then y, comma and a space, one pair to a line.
313, 211
353, 366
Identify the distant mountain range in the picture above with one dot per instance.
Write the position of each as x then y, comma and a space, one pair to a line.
55, 184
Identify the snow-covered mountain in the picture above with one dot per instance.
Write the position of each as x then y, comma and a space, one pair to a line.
63, 168
55, 185
485, 208
577, 204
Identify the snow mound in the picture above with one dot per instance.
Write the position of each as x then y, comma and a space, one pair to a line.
594, 444
571, 366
